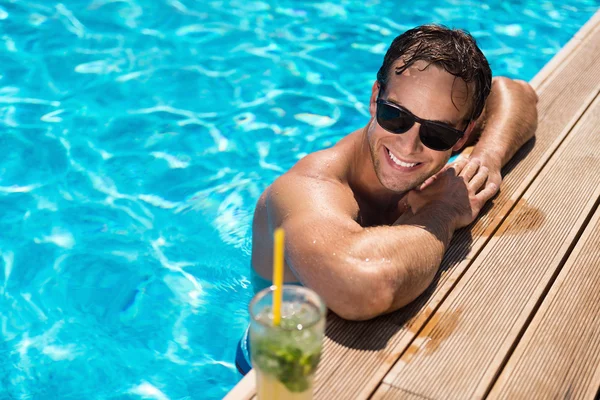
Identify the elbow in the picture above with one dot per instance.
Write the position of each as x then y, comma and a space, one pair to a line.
531, 98
532, 120
369, 298
516, 87
358, 311
524, 97
534, 126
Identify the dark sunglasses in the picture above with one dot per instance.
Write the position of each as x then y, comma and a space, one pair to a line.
435, 135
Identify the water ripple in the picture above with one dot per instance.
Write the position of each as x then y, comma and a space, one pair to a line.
138, 136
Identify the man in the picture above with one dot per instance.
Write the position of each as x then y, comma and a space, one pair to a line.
367, 221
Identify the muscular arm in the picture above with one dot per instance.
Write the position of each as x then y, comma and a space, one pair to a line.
509, 120
362, 272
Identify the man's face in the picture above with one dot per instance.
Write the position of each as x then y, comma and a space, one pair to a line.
401, 161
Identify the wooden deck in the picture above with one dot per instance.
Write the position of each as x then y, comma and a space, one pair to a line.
514, 312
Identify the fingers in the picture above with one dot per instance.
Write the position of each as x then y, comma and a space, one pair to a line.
470, 170
487, 193
478, 179
495, 178
428, 182
459, 165
456, 167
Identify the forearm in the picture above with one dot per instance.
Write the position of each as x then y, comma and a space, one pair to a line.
404, 258
509, 121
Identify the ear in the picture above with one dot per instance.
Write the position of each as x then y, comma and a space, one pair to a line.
373, 99
459, 145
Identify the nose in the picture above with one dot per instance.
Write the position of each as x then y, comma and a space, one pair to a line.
409, 141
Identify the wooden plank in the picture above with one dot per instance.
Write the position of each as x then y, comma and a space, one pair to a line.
367, 350
565, 53
245, 389
387, 392
559, 354
481, 320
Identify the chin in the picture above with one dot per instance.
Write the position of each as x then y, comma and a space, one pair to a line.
399, 178
394, 183
401, 187
399, 182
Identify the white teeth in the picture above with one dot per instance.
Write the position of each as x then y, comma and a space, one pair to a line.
400, 163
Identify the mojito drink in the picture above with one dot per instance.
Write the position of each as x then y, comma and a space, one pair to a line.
285, 357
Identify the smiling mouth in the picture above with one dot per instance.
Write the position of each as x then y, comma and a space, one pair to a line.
399, 162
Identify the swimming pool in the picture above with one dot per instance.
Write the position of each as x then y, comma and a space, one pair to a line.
137, 136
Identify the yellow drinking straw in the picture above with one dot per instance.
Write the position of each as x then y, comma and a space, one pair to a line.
277, 275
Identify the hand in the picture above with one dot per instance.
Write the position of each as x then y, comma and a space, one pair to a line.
493, 166
461, 189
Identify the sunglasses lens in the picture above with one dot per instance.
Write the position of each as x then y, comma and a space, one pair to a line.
393, 119
438, 137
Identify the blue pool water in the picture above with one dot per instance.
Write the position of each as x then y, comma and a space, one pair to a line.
136, 137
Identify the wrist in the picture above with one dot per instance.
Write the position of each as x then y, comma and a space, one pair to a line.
437, 217
491, 160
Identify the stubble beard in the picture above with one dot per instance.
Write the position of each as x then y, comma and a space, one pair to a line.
377, 166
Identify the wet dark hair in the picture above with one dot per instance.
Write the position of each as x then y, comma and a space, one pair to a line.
454, 50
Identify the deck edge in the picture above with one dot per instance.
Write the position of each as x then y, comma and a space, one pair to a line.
245, 389
552, 66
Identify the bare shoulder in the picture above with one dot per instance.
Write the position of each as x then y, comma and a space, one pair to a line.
317, 181
330, 164
316, 186
312, 193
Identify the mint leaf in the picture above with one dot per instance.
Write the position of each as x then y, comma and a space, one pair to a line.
289, 364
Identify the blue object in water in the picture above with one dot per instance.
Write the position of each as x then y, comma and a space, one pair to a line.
453, 158
242, 354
